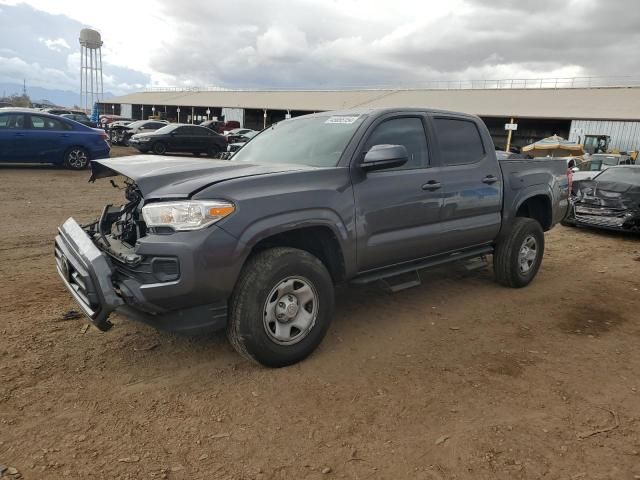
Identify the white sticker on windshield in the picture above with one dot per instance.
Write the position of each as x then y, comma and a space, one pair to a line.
344, 119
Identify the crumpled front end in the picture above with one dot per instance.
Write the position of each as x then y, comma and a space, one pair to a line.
612, 207
175, 281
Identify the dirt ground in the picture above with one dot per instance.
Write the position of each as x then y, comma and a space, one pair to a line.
457, 379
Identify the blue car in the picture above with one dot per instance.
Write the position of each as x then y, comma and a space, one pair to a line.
31, 136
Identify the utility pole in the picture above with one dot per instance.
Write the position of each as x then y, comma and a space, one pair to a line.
510, 127
24, 87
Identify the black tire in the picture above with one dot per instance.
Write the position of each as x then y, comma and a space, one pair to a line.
159, 148
214, 150
196, 154
508, 264
76, 158
264, 274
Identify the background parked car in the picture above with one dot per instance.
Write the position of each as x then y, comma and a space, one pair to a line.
598, 162
115, 130
80, 118
237, 131
180, 138
241, 137
220, 126
105, 120
237, 142
611, 200
29, 136
62, 111
124, 133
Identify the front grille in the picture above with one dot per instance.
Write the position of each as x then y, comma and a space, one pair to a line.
78, 280
600, 220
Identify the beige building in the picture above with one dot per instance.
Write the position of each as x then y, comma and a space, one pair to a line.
576, 113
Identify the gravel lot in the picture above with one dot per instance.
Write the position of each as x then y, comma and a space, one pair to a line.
457, 379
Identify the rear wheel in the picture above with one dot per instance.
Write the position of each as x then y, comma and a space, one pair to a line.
159, 148
519, 253
213, 151
76, 158
281, 308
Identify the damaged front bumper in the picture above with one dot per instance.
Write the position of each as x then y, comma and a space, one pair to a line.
605, 217
86, 272
102, 285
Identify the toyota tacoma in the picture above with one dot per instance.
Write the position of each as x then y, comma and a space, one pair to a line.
255, 244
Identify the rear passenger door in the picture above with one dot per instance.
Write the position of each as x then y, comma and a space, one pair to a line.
182, 140
397, 210
49, 138
471, 180
201, 138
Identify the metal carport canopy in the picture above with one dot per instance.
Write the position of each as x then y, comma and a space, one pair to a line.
604, 103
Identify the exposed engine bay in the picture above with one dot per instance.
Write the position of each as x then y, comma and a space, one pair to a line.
120, 226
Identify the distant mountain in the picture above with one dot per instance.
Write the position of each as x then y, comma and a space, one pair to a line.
63, 98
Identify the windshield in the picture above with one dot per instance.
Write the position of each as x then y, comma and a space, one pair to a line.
317, 141
628, 175
608, 160
136, 123
166, 129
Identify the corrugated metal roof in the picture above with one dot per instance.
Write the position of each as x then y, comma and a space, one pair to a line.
613, 103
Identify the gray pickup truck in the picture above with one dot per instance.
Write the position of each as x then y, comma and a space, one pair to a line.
255, 244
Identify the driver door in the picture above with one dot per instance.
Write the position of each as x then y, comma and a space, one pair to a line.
397, 210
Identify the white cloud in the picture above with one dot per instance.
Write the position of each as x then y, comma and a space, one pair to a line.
334, 43
14, 68
56, 45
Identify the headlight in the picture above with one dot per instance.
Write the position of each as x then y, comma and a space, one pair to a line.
187, 215
143, 139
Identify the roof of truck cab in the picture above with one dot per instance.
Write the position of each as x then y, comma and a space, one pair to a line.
385, 110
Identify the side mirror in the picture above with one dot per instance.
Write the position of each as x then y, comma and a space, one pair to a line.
381, 157
575, 169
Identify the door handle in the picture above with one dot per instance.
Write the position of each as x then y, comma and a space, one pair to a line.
19, 134
489, 179
431, 185
65, 135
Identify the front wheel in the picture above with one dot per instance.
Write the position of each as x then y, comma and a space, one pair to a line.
281, 308
518, 254
76, 158
159, 148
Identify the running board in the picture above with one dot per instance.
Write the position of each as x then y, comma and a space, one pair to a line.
381, 274
402, 281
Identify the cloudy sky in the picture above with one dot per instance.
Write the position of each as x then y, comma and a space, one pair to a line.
317, 43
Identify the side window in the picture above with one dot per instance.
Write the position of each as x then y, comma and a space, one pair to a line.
12, 121
459, 141
192, 131
403, 131
45, 123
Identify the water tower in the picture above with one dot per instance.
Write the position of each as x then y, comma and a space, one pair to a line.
90, 68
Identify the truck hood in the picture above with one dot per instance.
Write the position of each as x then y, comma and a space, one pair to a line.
180, 177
